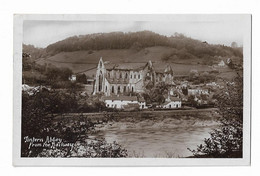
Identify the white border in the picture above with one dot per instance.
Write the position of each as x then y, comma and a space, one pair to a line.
18, 161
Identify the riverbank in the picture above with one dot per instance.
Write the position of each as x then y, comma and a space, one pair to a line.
202, 114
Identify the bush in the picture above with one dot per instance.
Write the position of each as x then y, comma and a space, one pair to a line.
227, 140
38, 122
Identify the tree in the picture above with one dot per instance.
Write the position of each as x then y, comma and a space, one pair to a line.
193, 75
155, 94
65, 73
37, 122
227, 140
206, 77
82, 78
191, 100
35, 119
185, 90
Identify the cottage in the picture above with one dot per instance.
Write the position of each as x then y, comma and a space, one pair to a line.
198, 91
172, 103
120, 101
73, 78
221, 64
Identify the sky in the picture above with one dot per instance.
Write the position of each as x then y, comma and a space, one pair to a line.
41, 33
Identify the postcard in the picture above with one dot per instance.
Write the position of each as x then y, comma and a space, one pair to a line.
132, 90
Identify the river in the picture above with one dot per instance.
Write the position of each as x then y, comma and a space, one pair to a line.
169, 138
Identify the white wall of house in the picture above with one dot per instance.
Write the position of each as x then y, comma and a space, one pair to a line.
119, 104
197, 91
172, 105
73, 78
142, 105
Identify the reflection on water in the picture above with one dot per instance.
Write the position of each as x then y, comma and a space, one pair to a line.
157, 142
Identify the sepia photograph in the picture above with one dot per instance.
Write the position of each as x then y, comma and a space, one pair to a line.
170, 87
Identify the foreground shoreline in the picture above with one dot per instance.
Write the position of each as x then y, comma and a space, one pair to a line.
136, 116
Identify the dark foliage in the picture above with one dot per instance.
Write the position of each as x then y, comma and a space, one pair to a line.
182, 47
155, 94
227, 140
38, 121
82, 78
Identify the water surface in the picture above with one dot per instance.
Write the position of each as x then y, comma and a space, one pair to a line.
155, 140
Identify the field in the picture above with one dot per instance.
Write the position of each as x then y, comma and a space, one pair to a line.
86, 61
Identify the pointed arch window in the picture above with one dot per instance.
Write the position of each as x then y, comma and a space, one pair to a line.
120, 75
126, 75
118, 89
100, 80
113, 89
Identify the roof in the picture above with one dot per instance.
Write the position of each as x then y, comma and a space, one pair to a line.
121, 97
172, 99
162, 67
175, 99
124, 66
141, 99
159, 67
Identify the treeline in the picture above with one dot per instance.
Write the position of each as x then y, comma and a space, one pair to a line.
33, 52
113, 40
183, 47
47, 74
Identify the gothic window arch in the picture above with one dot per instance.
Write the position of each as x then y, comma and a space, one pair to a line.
126, 75
118, 89
113, 89
100, 80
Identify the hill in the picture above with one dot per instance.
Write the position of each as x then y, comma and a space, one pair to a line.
81, 53
82, 61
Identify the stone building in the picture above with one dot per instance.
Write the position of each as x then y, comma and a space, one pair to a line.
121, 78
